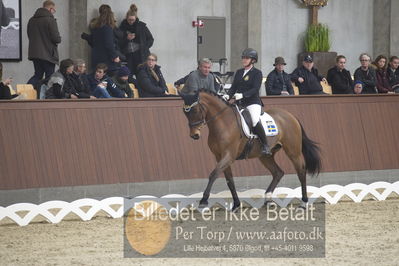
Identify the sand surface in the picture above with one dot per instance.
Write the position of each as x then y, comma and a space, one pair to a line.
364, 233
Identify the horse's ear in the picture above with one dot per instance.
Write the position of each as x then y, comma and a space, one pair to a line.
189, 99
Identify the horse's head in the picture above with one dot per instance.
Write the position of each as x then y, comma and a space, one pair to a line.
195, 114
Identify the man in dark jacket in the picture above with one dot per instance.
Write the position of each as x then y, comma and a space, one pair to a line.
393, 73
278, 82
102, 86
79, 80
43, 41
366, 75
4, 19
339, 78
307, 77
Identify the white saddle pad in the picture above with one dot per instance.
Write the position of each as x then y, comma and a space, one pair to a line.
268, 124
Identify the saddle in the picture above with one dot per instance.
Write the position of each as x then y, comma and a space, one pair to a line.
268, 124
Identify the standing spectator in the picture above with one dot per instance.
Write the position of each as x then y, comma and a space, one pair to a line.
137, 39
339, 78
150, 79
79, 80
59, 85
278, 82
102, 86
103, 40
202, 78
393, 73
366, 75
383, 85
43, 41
121, 79
4, 19
307, 77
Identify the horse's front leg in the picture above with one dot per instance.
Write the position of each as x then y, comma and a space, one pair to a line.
228, 174
225, 162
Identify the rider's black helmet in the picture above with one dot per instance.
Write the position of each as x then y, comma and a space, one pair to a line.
251, 53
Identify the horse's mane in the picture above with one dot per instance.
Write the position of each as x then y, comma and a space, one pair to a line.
215, 94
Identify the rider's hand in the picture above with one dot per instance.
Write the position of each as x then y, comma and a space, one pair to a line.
238, 96
226, 97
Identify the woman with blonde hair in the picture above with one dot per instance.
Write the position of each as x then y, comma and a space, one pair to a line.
137, 39
103, 39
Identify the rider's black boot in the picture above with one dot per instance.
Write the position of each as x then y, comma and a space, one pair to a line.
258, 130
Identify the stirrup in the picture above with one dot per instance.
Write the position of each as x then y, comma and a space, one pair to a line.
266, 150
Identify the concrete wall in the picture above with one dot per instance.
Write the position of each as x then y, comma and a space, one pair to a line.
283, 21
170, 24
22, 71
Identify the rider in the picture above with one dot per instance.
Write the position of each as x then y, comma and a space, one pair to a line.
245, 88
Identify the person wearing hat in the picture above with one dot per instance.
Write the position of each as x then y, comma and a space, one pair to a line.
121, 79
307, 77
245, 89
339, 78
278, 81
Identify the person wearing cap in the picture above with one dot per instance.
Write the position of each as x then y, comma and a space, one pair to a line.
278, 81
366, 74
358, 87
121, 79
307, 77
339, 78
245, 89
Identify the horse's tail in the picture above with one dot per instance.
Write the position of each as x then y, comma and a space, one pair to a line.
311, 152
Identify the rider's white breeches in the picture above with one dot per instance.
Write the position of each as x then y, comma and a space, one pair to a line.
255, 111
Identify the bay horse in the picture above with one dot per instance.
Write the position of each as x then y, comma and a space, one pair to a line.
226, 140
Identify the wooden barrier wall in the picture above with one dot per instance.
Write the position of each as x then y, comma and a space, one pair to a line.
84, 142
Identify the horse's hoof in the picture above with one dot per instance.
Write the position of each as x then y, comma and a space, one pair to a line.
203, 204
303, 205
236, 206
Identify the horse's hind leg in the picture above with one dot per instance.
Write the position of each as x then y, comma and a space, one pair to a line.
299, 163
276, 172
221, 166
228, 174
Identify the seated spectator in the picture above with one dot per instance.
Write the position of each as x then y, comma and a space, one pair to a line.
358, 87
393, 73
383, 85
339, 78
150, 79
200, 78
59, 84
80, 81
5, 93
366, 75
307, 77
102, 86
278, 82
121, 79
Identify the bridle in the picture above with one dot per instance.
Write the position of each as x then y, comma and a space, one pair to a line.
202, 122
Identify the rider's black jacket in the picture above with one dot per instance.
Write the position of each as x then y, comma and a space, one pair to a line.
249, 85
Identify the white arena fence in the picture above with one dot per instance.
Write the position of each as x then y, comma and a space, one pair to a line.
113, 206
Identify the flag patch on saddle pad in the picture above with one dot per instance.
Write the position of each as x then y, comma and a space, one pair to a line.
269, 125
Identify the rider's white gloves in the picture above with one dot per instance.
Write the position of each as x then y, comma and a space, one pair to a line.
226, 97
238, 96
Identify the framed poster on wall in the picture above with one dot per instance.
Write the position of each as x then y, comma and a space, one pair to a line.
10, 30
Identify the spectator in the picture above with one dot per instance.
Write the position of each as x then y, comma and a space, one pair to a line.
339, 78
307, 77
182, 81
137, 39
59, 85
102, 86
278, 81
122, 81
5, 93
150, 79
4, 19
358, 87
79, 80
393, 73
103, 40
383, 85
200, 78
43, 41
366, 74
